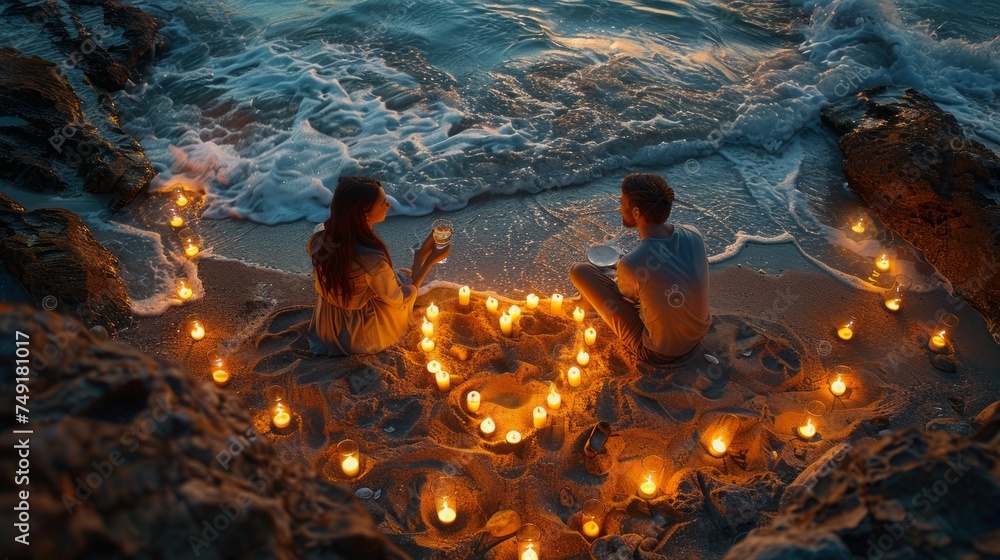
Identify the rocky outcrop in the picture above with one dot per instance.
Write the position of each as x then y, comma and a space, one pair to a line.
916, 169
130, 458
909, 494
62, 266
51, 141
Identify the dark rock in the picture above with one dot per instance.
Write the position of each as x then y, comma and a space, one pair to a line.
944, 363
62, 266
985, 414
913, 165
951, 425
918, 494
131, 459
57, 134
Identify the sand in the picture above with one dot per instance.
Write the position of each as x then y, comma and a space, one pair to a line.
774, 337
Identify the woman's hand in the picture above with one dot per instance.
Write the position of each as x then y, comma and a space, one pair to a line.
425, 249
438, 255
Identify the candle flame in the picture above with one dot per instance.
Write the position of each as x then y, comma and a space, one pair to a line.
718, 445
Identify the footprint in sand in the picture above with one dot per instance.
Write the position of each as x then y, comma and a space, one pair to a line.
284, 318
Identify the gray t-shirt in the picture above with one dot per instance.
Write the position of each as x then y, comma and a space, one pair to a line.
669, 278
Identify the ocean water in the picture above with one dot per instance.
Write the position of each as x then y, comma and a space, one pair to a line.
262, 105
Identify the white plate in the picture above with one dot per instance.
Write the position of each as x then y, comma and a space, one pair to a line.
603, 255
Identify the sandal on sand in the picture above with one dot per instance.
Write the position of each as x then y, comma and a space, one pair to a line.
599, 435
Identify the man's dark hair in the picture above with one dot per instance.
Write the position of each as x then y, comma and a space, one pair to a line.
651, 194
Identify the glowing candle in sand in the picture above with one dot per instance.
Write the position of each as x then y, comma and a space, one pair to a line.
181, 199
539, 416
472, 401
590, 336
219, 373
487, 426
427, 344
176, 220
814, 410
722, 434
882, 264
196, 327
859, 225
191, 249
443, 379
434, 366
839, 384
578, 315
531, 301
528, 539
553, 399
281, 417
555, 305
277, 403
427, 328
652, 472
515, 313
573, 376
846, 332
445, 500
184, 290
941, 336
432, 312
350, 459
582, 357
492, 305
506, 325
513, 437
464, 294
590, 518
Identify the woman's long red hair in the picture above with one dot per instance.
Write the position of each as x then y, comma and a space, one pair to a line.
343, 231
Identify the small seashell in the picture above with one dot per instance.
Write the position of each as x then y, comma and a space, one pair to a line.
711, 358
378, 493
746, 353
390, 429
364, 493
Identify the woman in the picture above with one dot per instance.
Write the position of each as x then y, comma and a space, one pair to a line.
364, 305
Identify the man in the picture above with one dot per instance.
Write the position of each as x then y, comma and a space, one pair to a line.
659, 305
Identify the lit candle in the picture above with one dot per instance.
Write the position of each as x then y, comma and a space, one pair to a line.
176, 220
882, 263
427, 328
578, 315
807, 430
590, 336
181, 200
220, 376
492, 304
432, 312
350, 466
515, 313
573, 376
838, 387
472, 401
487, 426
197, 329
443, 380
426, 344
531, 301
582, 357
184, 290
847, 331
529, 554
718, 446
513, 436
591, 529
939, 341
553, 399
506, 325
647, 489
859, 226
191, 249
464, 293
538, 416
446, 514
434, 366
555, 305
892, 304
281, 417
219, 373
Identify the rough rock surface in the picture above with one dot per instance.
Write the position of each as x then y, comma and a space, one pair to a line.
131, 459
62, 266
910, 494
916, 169
54, 142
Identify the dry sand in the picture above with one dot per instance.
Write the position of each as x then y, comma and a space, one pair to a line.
774, 336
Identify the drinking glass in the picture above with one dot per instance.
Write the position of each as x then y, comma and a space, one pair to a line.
442, 229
